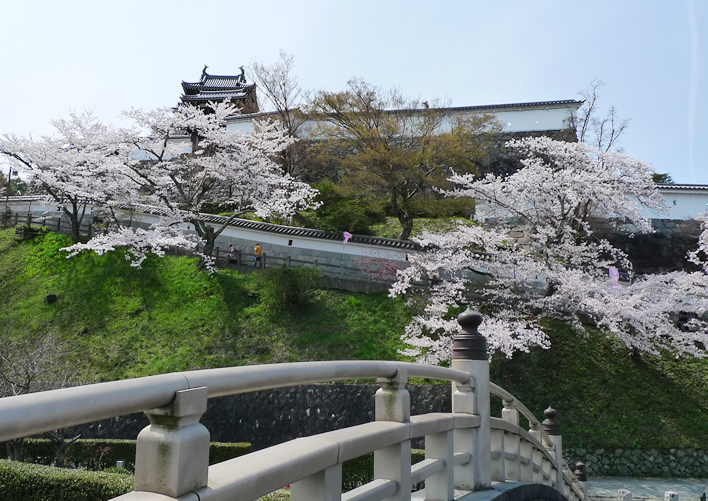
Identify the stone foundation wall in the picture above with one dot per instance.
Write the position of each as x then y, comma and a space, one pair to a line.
682, 463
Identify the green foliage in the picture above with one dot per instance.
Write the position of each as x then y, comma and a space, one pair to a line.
223, 451
32, 482
343, 210
662, 178
359, 471
391, 228
117, 470
384, 149
97, 455
286, 289
607, 398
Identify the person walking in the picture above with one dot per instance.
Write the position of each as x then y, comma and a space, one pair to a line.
258, 256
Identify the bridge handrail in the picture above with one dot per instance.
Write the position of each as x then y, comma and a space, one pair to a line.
535, 424
292, 461
500, 392
27, 415
570, 479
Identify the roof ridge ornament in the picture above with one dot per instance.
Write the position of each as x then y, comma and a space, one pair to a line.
204, 74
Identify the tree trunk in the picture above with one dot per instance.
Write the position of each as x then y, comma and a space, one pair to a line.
406, 230
73, 218
403, 214
209, 240
60, 455
14, 449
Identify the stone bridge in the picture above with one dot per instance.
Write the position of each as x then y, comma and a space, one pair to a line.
468, 453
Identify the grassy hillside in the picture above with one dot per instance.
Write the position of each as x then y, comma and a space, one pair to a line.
168, 316
122, 322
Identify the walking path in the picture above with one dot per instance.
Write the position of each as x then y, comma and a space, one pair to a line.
687, 488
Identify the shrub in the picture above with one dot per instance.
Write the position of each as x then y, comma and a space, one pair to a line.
103, 454
345, 211
286, 288
359, 471
33, 482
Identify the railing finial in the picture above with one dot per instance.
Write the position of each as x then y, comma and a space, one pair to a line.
580, 473
550, 425
469, 344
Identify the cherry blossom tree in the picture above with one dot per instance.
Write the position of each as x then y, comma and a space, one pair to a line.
184, 158
76, 167
537, 256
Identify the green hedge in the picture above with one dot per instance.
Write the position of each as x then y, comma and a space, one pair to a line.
222, 451
33, 482
102, 454
359, 471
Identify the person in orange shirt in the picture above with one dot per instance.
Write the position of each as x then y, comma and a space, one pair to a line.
259, 254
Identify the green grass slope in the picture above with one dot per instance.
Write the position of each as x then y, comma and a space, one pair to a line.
607, 398
123, 322
168, 316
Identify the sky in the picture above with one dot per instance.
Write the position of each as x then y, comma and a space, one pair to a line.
59, 56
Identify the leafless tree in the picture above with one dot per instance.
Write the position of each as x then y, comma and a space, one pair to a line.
279, 85
30, 363
601, 133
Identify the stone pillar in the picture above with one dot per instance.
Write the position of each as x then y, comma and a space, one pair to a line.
393, 403
325, 485
552, 429
440, 487
470, 355
537, 454
512, 443
172, 453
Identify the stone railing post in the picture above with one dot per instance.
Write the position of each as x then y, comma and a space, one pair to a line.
393, 403
172, 453
582, 476
538, 458
671, 496
325, 485
512, 444
552, 429
470, 355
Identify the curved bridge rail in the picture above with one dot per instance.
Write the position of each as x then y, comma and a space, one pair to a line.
466, 449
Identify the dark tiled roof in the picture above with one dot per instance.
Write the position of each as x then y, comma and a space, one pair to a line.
293, 231
217, 87
536, 104
480, 108
693, 187
215, 95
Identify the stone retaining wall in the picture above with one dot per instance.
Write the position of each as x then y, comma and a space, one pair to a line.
683, 463
270, 417
329, 263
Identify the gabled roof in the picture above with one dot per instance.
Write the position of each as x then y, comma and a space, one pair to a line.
217, 87
289, 230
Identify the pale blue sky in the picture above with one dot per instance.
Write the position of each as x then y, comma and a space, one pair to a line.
72, 55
